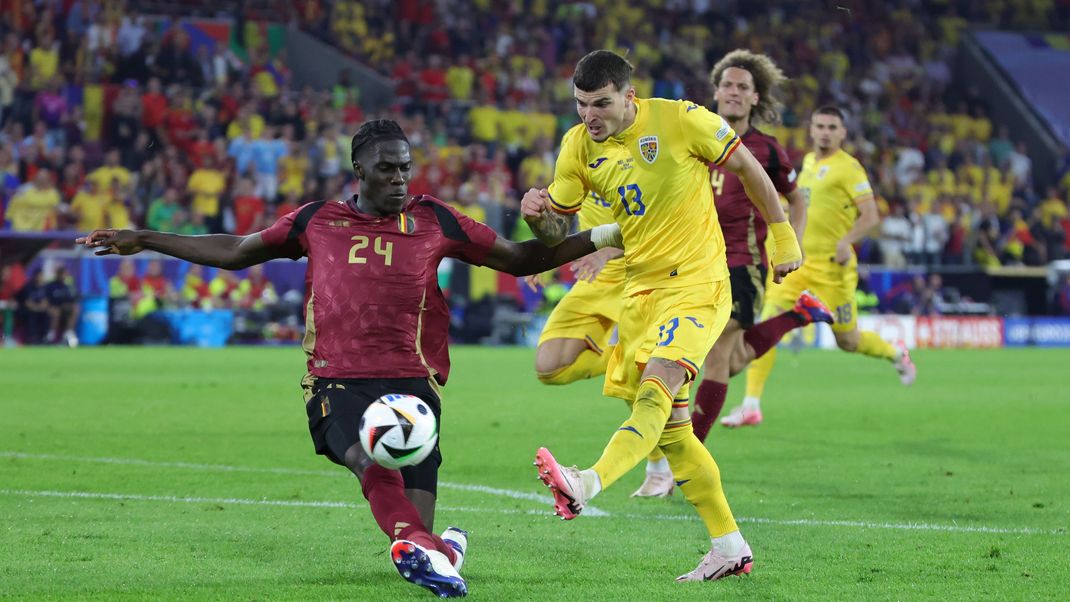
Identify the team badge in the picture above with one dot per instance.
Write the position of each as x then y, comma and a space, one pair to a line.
406, 225
648, 148
822, 171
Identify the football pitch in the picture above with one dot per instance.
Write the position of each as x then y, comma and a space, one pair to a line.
178, 473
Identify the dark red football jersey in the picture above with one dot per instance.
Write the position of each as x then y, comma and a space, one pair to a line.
743, 226
372, 302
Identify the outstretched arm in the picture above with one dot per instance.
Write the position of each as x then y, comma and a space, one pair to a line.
215, 250
534, 256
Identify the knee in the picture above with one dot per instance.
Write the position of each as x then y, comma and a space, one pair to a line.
737, 362
847, 343
358, 462
548, 363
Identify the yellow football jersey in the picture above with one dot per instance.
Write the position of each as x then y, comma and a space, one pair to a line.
831, 186
596, 211
655, 177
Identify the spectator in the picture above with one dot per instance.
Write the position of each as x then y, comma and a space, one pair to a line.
206, 185
89, 207
119, 202
111, 170
294, 165
935, 235
32, 311
163, 212
191, 223
9, 77
194, 289
156, 285
44, 61
249, 209
267, 151
154, 105
63, 307
33, 209
255, 291
1020, 164
896, 233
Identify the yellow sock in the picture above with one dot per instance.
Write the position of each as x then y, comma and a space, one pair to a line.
639, 434
871, 344
758, 372
587, 365
697, 476
656, 455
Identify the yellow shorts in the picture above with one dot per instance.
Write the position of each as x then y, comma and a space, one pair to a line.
676, 324
589, 311
833, 283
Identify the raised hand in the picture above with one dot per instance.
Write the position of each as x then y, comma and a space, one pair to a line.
536, 201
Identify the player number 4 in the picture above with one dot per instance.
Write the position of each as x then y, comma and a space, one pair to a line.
385, 249
717, 182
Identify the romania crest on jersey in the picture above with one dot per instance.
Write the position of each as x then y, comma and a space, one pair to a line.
648, 148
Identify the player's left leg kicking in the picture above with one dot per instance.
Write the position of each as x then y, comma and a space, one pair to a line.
402, 502
650, 367
575, 342
575, 345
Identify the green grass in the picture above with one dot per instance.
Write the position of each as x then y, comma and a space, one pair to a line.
980, 441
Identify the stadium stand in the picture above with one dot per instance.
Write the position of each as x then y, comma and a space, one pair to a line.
120, 114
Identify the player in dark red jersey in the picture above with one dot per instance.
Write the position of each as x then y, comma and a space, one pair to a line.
745, 86
376, 321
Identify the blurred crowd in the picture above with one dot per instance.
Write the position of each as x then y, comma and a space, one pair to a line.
111, 119
43, 307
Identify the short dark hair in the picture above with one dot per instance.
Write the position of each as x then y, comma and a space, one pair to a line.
831, 110
602, 67
376, 130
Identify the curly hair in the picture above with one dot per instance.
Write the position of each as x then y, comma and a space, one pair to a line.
376, 130
767, 79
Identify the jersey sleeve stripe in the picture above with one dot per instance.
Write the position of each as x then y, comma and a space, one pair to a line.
302, 218
728, 150
451, 228
559, 208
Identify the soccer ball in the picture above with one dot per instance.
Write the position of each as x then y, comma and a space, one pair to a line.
398, 431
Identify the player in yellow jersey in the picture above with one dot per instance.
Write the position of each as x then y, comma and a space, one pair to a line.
574, 343
649, 158
841, 210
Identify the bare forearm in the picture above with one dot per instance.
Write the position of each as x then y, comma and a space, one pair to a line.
534, 256
214, 250
863, 225
551, 228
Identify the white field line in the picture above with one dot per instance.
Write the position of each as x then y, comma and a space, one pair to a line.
510, 493
91, 495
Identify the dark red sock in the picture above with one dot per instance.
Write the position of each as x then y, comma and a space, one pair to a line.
395, 513
764, 336
708, 404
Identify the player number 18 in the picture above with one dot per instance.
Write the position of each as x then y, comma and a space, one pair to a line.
385, 249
